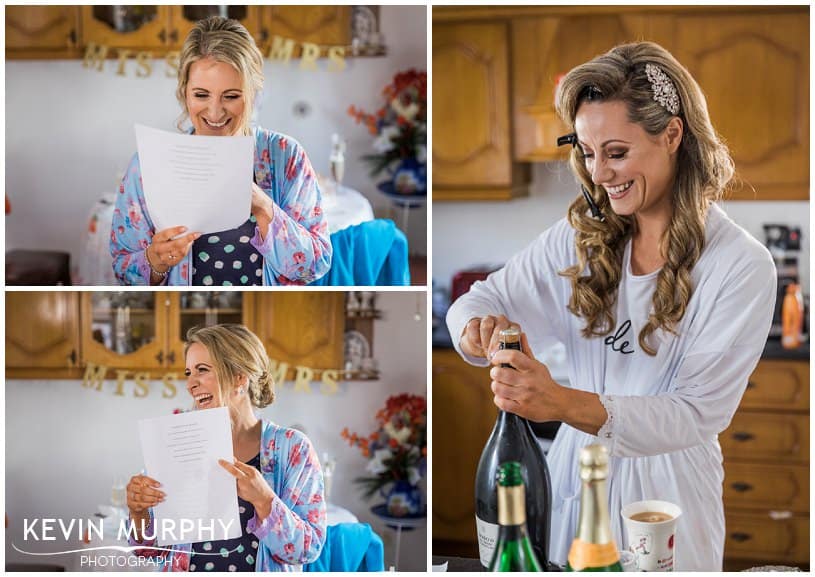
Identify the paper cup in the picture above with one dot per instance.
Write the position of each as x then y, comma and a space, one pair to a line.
652, 543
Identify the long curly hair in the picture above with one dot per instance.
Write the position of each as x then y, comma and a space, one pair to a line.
704, 168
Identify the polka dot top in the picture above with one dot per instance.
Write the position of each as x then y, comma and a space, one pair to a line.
237, 554
227, 258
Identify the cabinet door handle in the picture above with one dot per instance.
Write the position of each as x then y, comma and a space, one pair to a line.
160, 357
780, 515
264, 35
72, 358
174, 36
171, 358
742, 436
163, 36
740, 537
742, 487
72, 38
750, 385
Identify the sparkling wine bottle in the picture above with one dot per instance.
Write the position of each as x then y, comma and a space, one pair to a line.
593, 549
513, 550
512, 439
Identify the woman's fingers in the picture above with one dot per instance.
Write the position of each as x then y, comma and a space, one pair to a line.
168, 234
231, 469
143, 492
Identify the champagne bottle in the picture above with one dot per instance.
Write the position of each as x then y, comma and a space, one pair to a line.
512, 439
593, 549
513, 551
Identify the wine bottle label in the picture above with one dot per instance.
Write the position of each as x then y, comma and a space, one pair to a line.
487, 538
583, 555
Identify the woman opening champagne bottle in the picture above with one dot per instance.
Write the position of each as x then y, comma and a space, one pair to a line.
662, 302
512, 439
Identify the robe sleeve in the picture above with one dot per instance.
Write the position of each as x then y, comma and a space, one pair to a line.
724, 348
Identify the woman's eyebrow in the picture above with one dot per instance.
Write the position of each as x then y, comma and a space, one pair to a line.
606, 143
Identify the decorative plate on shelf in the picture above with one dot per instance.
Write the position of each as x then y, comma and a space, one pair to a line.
357, 349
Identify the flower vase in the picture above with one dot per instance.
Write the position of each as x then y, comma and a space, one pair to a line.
403, 499
410, 177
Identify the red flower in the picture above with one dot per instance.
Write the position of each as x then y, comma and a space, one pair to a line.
288, 548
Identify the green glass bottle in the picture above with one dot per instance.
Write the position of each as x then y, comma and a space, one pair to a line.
593, 549
513, 550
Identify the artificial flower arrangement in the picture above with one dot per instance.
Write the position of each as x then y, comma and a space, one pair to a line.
397, 449
400, 128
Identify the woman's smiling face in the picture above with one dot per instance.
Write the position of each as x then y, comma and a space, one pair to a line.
635, 169
215, 99
202, 382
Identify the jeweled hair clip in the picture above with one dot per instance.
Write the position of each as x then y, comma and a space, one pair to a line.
664, 90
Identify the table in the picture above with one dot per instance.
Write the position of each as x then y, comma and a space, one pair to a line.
344, 207
398, 524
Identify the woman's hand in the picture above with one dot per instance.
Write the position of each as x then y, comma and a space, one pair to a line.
252, 486
143, 493
480, 338
262, 209
527, 389
165, 252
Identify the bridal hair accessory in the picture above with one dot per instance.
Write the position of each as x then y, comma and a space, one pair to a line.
664, 89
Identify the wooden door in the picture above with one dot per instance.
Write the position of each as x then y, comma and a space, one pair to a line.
42, 330
471, 117
322, 25
302, 328
463, 416
132, 27
754, 71
126, 329
42, 31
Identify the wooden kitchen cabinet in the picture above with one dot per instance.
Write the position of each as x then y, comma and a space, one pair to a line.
457, 445
42, 333
131, 27
472, 129
301, 328
315, 24
766, 462
754, 70
42, 32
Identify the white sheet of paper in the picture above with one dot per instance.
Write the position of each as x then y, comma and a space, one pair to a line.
181, 452
201, 182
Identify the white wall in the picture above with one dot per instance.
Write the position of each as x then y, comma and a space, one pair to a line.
65, 444
69, 130
466, 234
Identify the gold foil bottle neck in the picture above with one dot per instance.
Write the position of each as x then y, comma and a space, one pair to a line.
593, 463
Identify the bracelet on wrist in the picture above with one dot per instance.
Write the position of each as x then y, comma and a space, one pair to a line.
152, 269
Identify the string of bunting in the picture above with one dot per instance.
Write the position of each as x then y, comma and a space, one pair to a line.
324, 381
281, 49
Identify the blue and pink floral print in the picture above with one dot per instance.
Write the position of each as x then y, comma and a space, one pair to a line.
295, 530
296, 250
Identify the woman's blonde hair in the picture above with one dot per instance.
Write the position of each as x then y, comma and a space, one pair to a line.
704, 168
224, 40
236, 351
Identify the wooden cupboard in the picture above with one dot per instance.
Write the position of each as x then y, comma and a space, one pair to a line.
56, 334
42, 32
313, 337
472, 147
752, 63
50, 32
754, 70
42, 332
463, 390
766, 461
